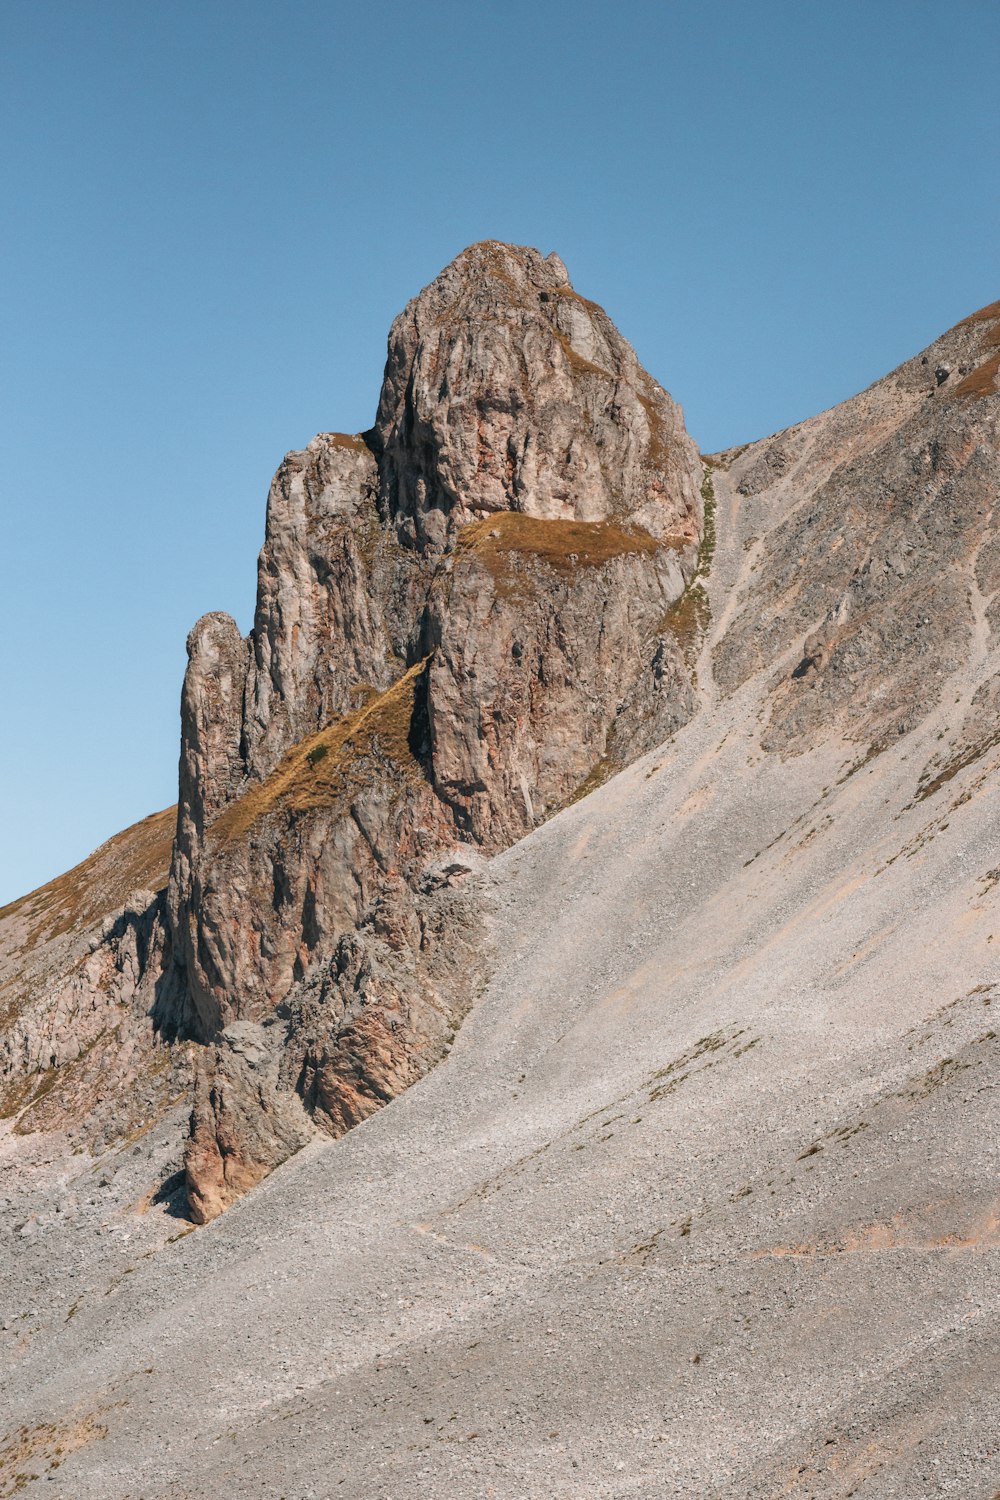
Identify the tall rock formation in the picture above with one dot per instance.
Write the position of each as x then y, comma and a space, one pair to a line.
456, 613
466, 617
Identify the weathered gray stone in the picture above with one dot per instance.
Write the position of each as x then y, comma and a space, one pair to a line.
453, 615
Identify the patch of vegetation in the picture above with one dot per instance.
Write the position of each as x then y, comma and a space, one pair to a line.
844, 1133
603, 771
941, 1073
135, 859
669, 1078
874, 750
577, 362
16, 1095
951, 769
332, 764
979, 382
506, 541
659, 449
352, 440
688, 618
572, 295
45, 1445
491, 257
706, 551
988, 314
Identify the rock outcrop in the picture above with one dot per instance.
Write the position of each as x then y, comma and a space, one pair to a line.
505, 390
465, 618
880, 581
455, 613
85, 982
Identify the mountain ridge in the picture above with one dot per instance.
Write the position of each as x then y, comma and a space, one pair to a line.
722, 1103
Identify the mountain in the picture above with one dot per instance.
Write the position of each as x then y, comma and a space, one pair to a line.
629, 820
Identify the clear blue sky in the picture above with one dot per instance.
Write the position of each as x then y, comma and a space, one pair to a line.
212, 212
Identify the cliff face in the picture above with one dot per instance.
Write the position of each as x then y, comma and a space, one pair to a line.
453, 612
461, 617
83, 983
506, 390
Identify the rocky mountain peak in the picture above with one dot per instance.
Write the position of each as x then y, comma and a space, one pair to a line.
461, 617
506, 390
732, 1074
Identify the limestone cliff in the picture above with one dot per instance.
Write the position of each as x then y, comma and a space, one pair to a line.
721, 1131
463, 616
881, 578
467, 617
453, 611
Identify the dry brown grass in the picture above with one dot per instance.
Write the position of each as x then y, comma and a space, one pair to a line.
657, 445
985, 315
136, 859
500, 541
332, 764
960, 762
594, 308
598, 774
687, 619
352, 440
577, 363
982, 381
493, 259
16, 1095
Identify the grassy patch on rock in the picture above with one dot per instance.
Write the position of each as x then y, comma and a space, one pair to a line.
688, 617
507, 540
980, 382
988, 314
332, 764
136, 859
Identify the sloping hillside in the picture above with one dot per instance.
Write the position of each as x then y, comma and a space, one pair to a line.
703, 1199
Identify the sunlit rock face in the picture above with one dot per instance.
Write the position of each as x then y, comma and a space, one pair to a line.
455, 614
506, 390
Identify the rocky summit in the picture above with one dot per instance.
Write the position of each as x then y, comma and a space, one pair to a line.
627, 819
